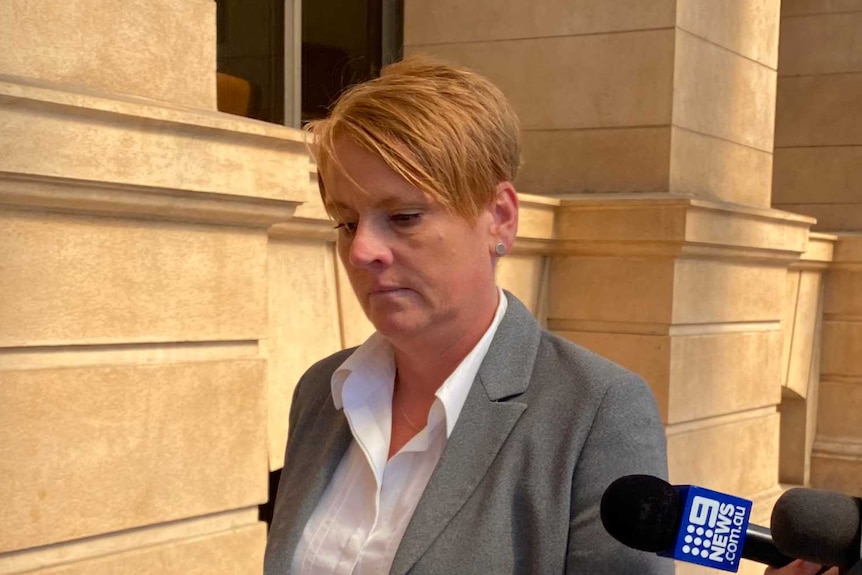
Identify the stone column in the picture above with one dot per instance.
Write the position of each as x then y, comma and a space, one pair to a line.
653, 122
624, 96
133, 293
818, 171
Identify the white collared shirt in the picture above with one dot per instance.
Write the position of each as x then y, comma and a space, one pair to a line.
360, 519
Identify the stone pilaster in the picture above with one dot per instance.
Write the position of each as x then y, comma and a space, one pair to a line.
836, 461
800, 365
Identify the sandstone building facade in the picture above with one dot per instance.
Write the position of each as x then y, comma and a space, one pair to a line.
692, 202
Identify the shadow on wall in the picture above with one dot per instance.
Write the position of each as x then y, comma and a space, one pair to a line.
265, 510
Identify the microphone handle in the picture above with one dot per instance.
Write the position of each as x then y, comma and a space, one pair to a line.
759, 547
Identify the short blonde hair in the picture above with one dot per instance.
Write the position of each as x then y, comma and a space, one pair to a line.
446, 130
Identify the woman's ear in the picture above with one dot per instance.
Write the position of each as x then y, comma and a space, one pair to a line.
504, 209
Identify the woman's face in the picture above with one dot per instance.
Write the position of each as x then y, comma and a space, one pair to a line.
417, 269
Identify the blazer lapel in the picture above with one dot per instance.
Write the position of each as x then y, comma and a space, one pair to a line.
485, 422
311, 465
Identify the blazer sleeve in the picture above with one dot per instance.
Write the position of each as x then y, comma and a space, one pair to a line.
626, 438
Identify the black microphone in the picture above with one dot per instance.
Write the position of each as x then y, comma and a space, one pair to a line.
823, 527
687, 523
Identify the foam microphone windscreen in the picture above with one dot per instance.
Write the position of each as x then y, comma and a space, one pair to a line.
642, 512
818, 526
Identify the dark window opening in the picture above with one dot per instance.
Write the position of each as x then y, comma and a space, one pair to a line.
343, 42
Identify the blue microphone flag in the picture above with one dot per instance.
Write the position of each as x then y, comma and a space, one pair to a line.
712, 529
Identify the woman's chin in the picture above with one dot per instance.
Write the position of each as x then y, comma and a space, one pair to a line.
398, 325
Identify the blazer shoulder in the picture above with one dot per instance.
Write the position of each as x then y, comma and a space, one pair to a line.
525, 358
586, 383
570, 361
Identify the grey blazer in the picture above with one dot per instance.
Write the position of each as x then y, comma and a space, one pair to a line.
546, 427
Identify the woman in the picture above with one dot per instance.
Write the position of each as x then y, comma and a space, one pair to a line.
461, 437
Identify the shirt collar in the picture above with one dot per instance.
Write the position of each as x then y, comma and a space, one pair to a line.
374, 359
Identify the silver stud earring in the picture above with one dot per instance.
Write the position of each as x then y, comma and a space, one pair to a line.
500, 248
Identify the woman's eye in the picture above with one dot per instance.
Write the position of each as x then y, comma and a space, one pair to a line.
405, 220
348, 227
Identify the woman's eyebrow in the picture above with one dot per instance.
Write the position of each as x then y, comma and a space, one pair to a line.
388, 202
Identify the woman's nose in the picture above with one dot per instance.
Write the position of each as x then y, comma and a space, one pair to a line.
369, 245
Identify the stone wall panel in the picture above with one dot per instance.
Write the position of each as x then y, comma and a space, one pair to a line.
431, 22
609, 80
92, 450
159, 49
91, 280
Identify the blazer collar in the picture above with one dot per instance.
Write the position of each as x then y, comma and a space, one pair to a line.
508, 365
489, 414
